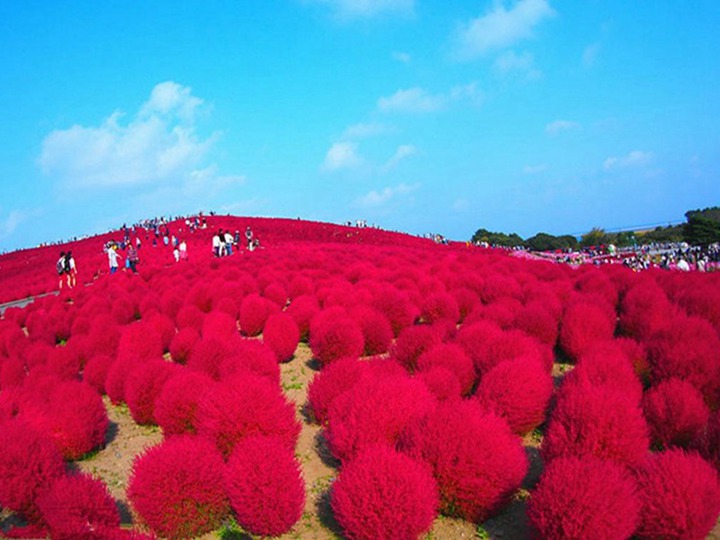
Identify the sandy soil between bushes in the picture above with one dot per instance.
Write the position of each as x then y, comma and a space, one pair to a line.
126, 439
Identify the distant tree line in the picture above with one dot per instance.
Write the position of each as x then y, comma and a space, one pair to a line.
701, 228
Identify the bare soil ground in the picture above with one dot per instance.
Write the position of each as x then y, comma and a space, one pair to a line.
126, 439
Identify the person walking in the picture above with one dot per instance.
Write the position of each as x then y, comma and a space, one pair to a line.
61, 268
113, 258
71, 270
133, 259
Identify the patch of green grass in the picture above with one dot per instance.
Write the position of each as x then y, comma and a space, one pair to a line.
292, 386
480, 532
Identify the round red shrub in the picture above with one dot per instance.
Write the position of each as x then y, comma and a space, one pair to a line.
477, 461
452, 357
584, 497
182, 344
218, 325
488, 345
76, 418
441, 382
249, 405
606, 364
177, 487
708, 442
644, 310
254, 356
519, 391
254, 311
584, 324
189, 316
675, 412
96, 371
440, 306
680, 496
396, 306
382, 494
177, 405
262, 470
412, 342
688, 350
116, 377
598, 421
637, 355
332, 339
276, 293
164, 326
302, 309
376, 329
332, 381
78, 506
466, 300
282, 335
375, 410
538, 321
143, 386
208, 355
29, 463
140, 341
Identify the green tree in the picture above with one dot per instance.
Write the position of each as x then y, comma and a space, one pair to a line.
701, 230
548, 242
595, 237
497, 238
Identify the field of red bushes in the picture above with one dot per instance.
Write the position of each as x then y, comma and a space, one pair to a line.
358, 383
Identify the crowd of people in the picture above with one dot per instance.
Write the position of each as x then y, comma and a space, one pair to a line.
224, 241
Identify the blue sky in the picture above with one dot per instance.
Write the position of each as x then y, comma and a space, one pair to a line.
415, 115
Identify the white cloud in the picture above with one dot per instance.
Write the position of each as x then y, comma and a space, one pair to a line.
341, 155
419, 100
510, 62
558, 126
403, 151
534, 169
365, 130
354, 9
636, 158
590, 54
158, 144
403, 57
375, 199
500, 28
461, 205
411, 100
10, 223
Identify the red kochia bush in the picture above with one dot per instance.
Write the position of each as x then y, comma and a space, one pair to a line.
680, 496
645, 310
412, 342
282, 335
139, 341
376, 329
488, 345
29, 464
606, 364
254, 311
76, 417
384, 495
676, 413
254, 356
375, 410
584, 498
176, 406
265, 486
584, 324
79, 506
441, 382
595, 420
208, 355
218, 325
244, 406
332, 381
177, 487
182, 344
519, 391
302, 309
96, 371
688, 350
452, 357
143, 386
332, 339
477, 461
708, 443
440, 306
